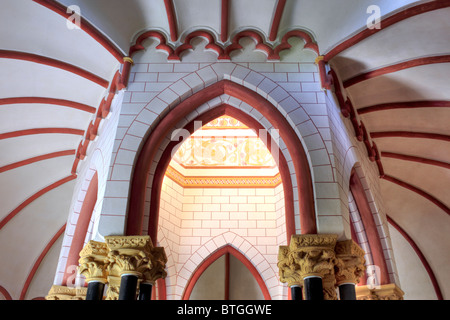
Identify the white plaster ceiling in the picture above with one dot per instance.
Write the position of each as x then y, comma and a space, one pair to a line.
29, 27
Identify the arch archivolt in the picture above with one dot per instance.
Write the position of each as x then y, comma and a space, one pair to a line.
299, 122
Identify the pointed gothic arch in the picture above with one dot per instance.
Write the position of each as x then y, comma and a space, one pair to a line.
136, 208
216, 255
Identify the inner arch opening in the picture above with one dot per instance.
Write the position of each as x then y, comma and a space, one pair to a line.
222, 182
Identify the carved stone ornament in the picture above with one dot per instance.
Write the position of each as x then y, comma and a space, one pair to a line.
350, 261
314, 253
93, 261
129, 254
329, 287
289, 270
307, 255
158, 261
113, 288
383, 292
66, 293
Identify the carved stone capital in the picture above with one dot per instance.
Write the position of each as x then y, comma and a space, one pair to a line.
314, 253
112, 291
329, 287
129, 255
66, 293
349, 266
158, 265
307, 255
383, 292
289, 270
93, 261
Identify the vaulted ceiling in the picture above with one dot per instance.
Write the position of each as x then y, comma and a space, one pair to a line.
55, 81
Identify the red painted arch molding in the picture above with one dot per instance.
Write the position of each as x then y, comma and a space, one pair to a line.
86, 27
276, 20
216, 255
395, 68
33, 197
136, 209
421, 256
387, 22
405, 105
39, 261
420, 192
205, 118
18, 55
44, 100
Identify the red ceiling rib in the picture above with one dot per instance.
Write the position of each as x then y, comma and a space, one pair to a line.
27, 132
224, 20
41, 192
409, 134
52, 101
404, 105
276, 20
396, 67
420, 255
172, 19
86, 27
418, 191
415, 159
39, 261
36, 159
8, 54
385, 23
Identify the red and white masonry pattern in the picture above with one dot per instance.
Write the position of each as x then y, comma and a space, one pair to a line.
292, 87
194, 222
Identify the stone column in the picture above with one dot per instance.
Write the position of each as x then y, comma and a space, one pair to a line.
309, 259
349, 268
92, 265
158, 260
129, 258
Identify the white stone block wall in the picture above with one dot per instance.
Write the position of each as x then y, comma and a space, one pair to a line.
195, 222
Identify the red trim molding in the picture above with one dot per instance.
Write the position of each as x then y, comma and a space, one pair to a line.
81, 228
26, 132
41, 192
5, 293
39, 261
172, 19
396, 67
8, 54
421, 256
359, 194
52, 101
404, 105
224, 20
224, 53
276, 20
136, 207
409, 134
36, 159
213, 257
205, 118
86, 27
415, 159
418, 191
387, 22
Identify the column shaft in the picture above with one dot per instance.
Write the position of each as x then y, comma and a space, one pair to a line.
145, 291
296, 293
313, 288
347, 291
95, 290
128, 285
